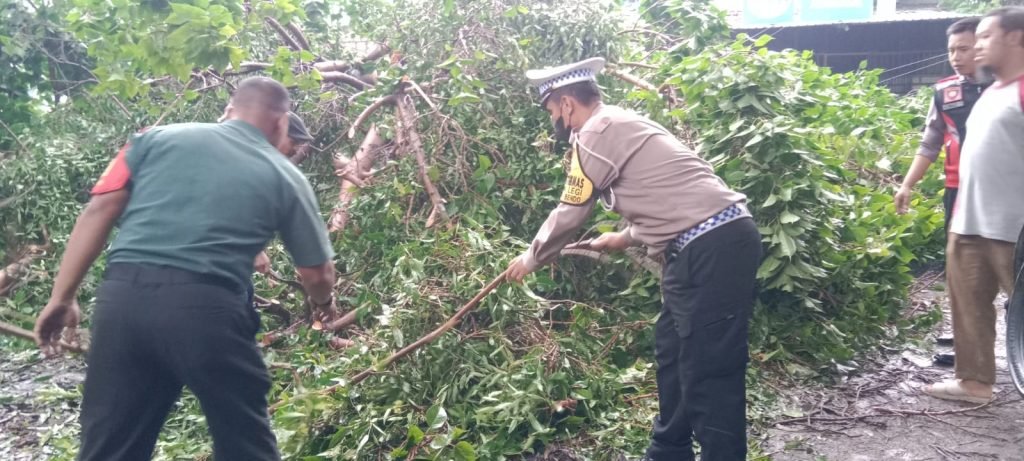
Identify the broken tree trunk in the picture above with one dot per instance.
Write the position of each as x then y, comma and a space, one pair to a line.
410, 139
358, 168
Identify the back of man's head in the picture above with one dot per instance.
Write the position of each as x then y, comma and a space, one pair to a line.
263, 103
260, 94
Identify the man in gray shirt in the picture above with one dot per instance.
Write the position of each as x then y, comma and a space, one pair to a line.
989, 212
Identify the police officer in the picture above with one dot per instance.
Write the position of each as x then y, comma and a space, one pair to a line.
684, 214
194, 203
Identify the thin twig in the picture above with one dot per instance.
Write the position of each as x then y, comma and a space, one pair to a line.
23, 147
429, 337
18, 332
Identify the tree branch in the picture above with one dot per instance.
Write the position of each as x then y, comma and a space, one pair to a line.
407, 133
365, 114
287, 39
22, 333
360, 168
430, 337
299, 36
331, 76
18, 140
636, 81
637, 255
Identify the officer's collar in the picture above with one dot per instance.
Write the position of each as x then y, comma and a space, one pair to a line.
594, 116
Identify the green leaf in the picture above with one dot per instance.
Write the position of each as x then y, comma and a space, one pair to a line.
415, 434
787, 244
465, 452
787, 218
186, 14
436, 417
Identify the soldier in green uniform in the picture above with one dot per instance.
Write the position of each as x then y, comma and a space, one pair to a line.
194, 203
687, 217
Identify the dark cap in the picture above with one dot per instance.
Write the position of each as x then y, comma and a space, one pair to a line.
297, 130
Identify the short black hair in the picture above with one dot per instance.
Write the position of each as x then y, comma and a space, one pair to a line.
261, 93
1011, 18
962, 26
586, 92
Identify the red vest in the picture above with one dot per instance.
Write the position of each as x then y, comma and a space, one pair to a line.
954, 98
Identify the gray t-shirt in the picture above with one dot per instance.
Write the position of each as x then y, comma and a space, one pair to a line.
991, 199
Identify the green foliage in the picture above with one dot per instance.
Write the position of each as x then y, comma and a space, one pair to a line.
37, 63
131, 41
566, 359
976, 6
809, 148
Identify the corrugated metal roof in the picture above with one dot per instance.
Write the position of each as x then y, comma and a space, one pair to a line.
735, 19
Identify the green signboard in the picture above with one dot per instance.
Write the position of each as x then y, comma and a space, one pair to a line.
785, 12
835, 10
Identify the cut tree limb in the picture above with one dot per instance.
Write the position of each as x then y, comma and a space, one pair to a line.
343, 66
632, 79
366, 113
410, 139
429, 337
22, 333
299, 36
281, 32
637, 255
359, 167
344, 78
14, 271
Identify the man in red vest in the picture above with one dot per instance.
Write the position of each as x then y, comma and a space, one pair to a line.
947, 118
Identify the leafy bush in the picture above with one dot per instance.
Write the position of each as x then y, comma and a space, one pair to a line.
561, 361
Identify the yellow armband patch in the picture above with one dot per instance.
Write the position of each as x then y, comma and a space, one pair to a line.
578, 187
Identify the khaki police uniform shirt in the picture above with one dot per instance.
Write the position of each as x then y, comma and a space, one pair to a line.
639, 170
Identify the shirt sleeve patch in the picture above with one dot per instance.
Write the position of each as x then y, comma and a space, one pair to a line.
116, 176
578, 187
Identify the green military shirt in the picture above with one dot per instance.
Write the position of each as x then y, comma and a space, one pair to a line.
208, 197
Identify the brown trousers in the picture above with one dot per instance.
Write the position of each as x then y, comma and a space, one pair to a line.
976, 268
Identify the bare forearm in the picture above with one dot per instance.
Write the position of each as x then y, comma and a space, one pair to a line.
318, 281
917, 171
85, 244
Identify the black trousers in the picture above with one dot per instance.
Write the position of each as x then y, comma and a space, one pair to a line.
948, 200
155, 330
701, 346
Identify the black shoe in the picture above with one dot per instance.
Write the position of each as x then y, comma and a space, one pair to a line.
944, 360
944, 340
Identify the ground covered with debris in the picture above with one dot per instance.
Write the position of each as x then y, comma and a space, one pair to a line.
38, 404
877, 413
881, 413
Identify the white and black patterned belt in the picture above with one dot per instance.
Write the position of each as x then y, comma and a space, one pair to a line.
728, 215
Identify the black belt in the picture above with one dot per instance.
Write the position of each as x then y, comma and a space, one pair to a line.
151, 273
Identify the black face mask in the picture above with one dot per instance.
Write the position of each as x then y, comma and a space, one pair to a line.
562, 132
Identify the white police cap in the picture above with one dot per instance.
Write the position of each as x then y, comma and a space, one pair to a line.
551, 78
